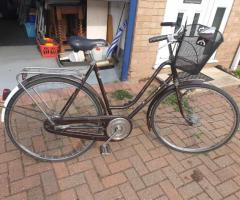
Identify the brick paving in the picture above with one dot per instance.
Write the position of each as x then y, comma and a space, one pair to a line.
138, 168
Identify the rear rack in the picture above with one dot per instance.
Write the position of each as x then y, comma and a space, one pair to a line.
53, 71
76, 73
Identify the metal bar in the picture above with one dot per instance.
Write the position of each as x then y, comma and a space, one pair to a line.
104, 95
139, 95
150, 97
65, 127
26, 115
53, 71
86, 119
75, 93
41, 99
47, 68
38, 105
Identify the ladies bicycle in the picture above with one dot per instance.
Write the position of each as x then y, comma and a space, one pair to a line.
54, 115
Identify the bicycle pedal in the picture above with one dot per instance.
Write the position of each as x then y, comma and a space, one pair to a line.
105, 149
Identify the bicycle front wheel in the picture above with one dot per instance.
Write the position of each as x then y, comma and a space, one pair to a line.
24, 121
209, 120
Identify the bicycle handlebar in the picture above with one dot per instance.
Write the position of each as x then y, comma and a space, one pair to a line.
168, 24
158, 38
171, 37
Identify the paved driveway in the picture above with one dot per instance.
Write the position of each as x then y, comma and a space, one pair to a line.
139, 168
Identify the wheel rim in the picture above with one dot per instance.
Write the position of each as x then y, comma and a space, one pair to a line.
213, 115
33, 138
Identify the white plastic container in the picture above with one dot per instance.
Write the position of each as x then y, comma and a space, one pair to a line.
99, 53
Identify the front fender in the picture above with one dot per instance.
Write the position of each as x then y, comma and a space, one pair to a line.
160, 93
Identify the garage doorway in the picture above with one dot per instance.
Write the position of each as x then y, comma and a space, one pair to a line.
21, 51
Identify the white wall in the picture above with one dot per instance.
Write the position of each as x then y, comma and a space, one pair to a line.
97, 12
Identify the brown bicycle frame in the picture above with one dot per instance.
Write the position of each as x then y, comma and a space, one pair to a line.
109, 107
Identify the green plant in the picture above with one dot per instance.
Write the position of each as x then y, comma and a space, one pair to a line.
34, 105
121, 94
152, 89
198, 135
172, 101
237, 73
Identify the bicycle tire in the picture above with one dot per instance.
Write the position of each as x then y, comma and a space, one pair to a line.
21, 102
206, 107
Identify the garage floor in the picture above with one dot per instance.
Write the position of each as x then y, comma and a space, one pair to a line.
14, 58
18, 51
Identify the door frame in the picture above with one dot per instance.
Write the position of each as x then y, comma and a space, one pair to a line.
236, 59
219, 4
207, 20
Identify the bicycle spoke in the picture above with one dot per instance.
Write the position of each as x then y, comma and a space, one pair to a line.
25, 122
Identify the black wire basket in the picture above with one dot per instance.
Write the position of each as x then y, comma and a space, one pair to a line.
198, 44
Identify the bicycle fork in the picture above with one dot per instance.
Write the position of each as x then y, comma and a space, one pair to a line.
180, 105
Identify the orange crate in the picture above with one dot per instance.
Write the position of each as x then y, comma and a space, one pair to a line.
48, 51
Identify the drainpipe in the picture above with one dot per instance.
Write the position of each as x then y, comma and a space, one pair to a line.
129, 39
236, 60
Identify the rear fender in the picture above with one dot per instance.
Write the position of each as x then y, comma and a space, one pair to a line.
34, 78
14, 91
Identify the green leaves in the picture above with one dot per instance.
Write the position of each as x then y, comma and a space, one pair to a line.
122, 94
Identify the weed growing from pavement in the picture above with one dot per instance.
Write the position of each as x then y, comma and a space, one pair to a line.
122, 94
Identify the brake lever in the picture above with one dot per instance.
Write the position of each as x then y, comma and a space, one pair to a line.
179, 32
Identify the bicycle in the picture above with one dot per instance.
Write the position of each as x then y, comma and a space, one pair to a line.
54, 115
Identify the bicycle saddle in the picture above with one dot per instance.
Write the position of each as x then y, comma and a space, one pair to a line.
83, 44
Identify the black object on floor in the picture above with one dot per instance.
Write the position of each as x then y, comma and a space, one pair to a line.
12, 34
187, 76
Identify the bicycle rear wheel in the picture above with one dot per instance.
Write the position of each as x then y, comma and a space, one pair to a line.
213, 114
24, 121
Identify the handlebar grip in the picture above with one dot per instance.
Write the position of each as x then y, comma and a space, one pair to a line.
168, 24
158, 38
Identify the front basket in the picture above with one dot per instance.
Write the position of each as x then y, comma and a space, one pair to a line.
197, 46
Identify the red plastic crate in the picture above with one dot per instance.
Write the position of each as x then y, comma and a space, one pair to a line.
48, 51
